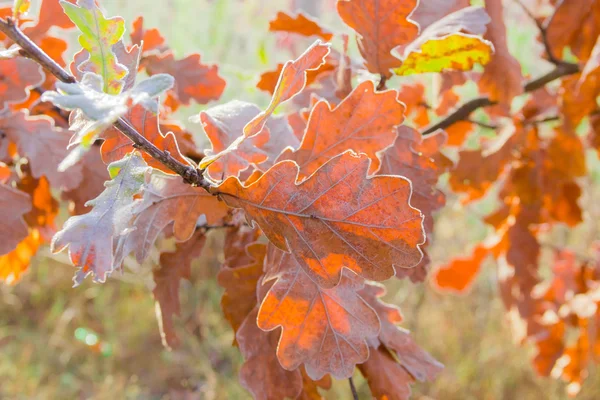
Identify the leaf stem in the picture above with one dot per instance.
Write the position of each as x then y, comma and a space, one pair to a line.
189, 174
353, 389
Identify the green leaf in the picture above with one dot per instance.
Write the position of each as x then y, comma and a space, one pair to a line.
98, 35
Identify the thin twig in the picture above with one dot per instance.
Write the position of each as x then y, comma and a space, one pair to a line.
353, 389
464, 111
382, 82
543, 28
189, 174
482, 124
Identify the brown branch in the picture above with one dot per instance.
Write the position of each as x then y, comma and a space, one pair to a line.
189, 174
464, 111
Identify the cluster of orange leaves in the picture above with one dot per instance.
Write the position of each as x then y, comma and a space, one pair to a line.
337, 193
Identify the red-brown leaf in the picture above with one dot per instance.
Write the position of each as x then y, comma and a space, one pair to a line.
324, 329
382, 25
365, 122
14, 204
336, 218
299, 24
17, 76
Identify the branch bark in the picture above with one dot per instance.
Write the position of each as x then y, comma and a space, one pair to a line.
29, 49
464, 111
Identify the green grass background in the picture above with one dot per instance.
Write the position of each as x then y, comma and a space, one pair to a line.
102, 341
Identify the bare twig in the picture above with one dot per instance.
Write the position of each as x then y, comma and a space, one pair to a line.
464, 111
353, 389
189, 174
543, 28
382, 82
482, 124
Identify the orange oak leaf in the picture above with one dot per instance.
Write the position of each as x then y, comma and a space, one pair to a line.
387, 379
17, 76
291, 81
459, 132
299, 24
50, 15
324, 329
382, 25
193, 80
240, 281
16, 262
44, 207
365, 122
578, 96
173, 267
336, 218
417, 362
268, 80
460, 273
419, 159
413, 97
262, 374
167, 199
310, 388
116, 145
43, 144
502, 77
14, 204
151, 38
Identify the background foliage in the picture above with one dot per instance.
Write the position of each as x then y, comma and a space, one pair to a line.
102, 341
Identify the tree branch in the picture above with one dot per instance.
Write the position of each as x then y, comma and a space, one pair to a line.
543, 28
189, 174
464, 111
353, 389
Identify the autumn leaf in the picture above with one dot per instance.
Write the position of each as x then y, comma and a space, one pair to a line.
50, 15
459, 274
173, 267
224, 125
261, 373
336, 218
430, 11
239, 281
98, 35
299, 24
166, 199
193, 80
382, 25
324, 329
291, 81
502, 78
413, 97
13, 205
365, 122
15, 263
91, 237
443, 46
44, 145
116, 145
150, 38
401, 348
17, 76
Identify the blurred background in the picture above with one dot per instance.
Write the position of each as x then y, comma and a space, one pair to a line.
102, 341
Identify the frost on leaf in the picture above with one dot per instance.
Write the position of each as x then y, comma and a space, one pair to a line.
13, 205
338, 217
100, 110
167, 199
364, 122
44, 145
92, 237
324, 329
382, 26
291, 82
173, 267
98, 36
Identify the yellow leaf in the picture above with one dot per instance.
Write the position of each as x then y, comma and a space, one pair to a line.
452, 52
